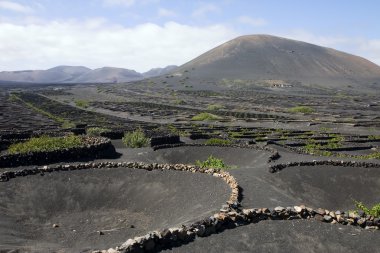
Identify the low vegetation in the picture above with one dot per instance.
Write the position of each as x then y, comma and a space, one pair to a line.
373, 211
218, 141
136, 139
205, 116
97, 131
81, 103
46, 144
301, 109
212, 162
214, 107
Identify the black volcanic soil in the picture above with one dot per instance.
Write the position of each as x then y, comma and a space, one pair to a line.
297, 236
109, 200
320, 186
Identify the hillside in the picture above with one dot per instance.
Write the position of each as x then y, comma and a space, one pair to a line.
265, 58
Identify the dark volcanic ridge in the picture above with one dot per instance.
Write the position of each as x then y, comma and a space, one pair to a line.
273, 60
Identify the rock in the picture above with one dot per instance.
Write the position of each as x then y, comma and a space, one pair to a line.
111, 250
149, 245
166, 234
319, 217
279, 209
332, 214
298, 209
320, 211
200, 230
182, 235
55, 225
132, 226
248, 212
129, 243
361, 222
353, 215
100, 232
139, 239
369, 223
327, 218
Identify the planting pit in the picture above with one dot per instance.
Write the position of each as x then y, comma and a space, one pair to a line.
119, 202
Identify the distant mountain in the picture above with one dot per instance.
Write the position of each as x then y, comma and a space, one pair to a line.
54, 75
108, 75
159, 71
268, 58
79, 74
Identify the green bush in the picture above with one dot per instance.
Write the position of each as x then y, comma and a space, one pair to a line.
81, 103
373, 211
204, 116
217, 141
96, 131
135, 139
301, 109
214, 107
212, 162
46, 143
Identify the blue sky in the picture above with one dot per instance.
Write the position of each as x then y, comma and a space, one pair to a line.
142, 34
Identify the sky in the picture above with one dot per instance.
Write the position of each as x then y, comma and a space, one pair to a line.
144, 34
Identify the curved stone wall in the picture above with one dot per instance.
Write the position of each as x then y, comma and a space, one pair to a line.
94, 147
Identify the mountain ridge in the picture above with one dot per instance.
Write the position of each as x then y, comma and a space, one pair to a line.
80, 74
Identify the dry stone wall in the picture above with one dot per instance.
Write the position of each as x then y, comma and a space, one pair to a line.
94, 147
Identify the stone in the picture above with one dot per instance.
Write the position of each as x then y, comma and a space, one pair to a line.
129, 243
166, 234
279, 209
248, 212
100, 232
352, 214
320, 211
182, 234
139, 239
361, 222
149, 245
298, 209
55, 225
200, 230
327, 218
319, 217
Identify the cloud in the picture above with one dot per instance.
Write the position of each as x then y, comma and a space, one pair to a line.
372, 49
119, 2
204, 9
128, 3
162, 12
16, 7
96, 43
251, 21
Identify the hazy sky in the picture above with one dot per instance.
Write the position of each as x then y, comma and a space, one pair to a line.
142, 34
